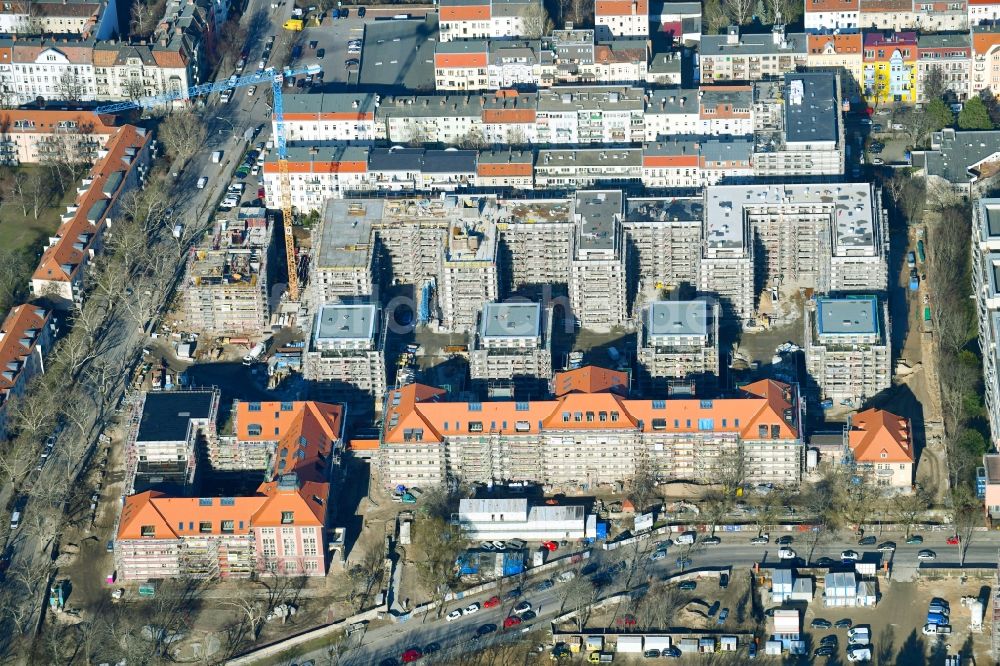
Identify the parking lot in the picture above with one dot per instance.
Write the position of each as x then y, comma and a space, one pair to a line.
330, 51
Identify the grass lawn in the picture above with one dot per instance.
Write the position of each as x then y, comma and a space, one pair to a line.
17, 231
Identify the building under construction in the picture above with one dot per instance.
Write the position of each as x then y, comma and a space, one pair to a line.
226, 290
345, 357
512, 349
678, 344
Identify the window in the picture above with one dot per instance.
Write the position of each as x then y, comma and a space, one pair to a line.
614, 417
475, 406
762, 431
565, 417
228, 526
204, 501
475, 426
270, 547
659, 404
180, 526
286, 406
253, 407
254, 429
228, 501
287, 517
147, 531
205, 527
775, 431
522, 406
659, 424
706, 424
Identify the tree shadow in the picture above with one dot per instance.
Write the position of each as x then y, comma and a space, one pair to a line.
912, 650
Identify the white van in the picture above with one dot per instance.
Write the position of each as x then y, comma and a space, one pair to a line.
216, 156
15, 520
859, 635
202, 182
685, 538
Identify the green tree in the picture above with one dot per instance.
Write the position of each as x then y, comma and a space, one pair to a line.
975, 116
939, 115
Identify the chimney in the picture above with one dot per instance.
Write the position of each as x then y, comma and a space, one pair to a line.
778, 33
733, 35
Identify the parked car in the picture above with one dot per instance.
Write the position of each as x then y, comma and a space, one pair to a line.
550, 546
954, 540
711, 541
820, 623
843, 623
786, 554
511, 621
492, 602
723, 616
850, 556
472, 608
887, 546
683, 562
522, 607
784, 540
867, 541
412, 655
544, 585
926, 555
454, 615
513, 594
485, 629
658, 555
825, 651
713, 609
528, 616
687, 585
723, 581
759, 540
916, 539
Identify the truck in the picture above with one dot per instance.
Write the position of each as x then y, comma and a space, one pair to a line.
921, 256
295, 25
216, 156
202, 182
255, 354
914, 280
911, 259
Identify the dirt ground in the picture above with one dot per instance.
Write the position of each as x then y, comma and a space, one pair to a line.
897, 620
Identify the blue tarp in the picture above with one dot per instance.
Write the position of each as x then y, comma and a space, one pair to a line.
602, 530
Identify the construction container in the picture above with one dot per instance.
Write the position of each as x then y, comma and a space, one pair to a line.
629, 644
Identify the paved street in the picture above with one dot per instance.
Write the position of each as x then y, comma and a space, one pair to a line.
735, 551
226, 123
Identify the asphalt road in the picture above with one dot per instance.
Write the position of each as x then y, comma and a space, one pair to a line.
226, 123
457, 636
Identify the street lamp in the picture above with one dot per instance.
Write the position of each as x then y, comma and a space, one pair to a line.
232, 128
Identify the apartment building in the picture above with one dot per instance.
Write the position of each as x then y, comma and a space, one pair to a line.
585, 167
501, 168
536, 241
986, 282
26, 337
739, 57
664, 240
400, 169
468, 279
509, 118
511, 350
226, 283
832, 16
462, 65
726, 269
171, 64
951, 55
621, 18
81, 18
490, 19
280, 530
881, 444
678, 344
959, 160
840, 53
619, 61
890, 67
344, 262
587, 438
40, 135
682, 21
590, 114
597, 281
665, 68
329, 117
983, 12
316, 173
123, 165
345, 359
674, 111
519, 63
689, 163
163, 432
804, 135
914, 15
847, 348
985, 60
449, 118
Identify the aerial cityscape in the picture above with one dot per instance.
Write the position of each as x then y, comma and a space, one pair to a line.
492, 332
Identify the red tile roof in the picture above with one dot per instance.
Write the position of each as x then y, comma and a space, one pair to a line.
878, 436
18, 336
589, 379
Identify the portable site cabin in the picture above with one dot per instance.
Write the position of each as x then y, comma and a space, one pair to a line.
841, 589
629, 644
781, 585
657, 643
706, 645
728, 643
688, 645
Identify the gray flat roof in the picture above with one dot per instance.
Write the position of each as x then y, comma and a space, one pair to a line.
944, 40
511, 320
655, 209
576, 98
345, 235
673, 100
990, 210
597, 211
359, 102
811, 107
678, 318
589, 157
400, 53
727, 149
847, 316
166, 415
956, 155
717, 45
346, 322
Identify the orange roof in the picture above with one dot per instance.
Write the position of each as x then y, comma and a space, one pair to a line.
460, 60
172, 517
170, 59
835, 44
306, 433
319, 167
984, 41
878, 436
509, 115
589, 379
308, 502
621, 8
18, 335
416, 414
504, 169
46, 121
363, 444
60, 261
833, 5
652, 161
466, 13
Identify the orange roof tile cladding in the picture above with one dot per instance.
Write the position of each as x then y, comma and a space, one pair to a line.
621, 8
875, 432
466, 13
460, 60
501, 170
841, 43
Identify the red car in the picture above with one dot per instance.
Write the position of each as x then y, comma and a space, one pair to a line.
412, 655
550, 545
492, 602
260, 193
953, 540
511, 621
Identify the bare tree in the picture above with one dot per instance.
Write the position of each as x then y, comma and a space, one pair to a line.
966, 515
907, 508
537, 23
183, 133
17, 457
71, 86
640, 488
473, 139
17, 192
144, 17
738, 11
